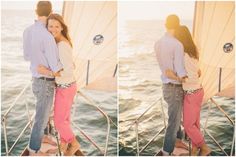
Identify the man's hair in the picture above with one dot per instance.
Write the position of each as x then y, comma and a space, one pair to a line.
172, 22
44, 8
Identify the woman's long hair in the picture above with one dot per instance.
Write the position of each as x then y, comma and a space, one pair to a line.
64, 26
183, 35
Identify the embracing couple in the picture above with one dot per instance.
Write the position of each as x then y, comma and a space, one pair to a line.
178, 59
48, 47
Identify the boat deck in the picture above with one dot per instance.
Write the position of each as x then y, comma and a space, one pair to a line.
45, 147
180, 152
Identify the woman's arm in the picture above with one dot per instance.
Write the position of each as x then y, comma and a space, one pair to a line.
66, 58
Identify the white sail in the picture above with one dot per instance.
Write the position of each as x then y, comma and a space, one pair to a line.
213, 28
96, 65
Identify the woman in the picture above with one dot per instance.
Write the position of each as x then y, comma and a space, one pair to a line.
193, 91
65, 84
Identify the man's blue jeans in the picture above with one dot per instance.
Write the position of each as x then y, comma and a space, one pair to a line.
44, 92
173, 95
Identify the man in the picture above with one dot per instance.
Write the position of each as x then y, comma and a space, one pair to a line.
170, 55
40, 49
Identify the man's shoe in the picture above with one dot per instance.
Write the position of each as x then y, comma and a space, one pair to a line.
160, 153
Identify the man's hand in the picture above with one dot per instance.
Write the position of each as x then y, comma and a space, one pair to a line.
41, 69
199, 73
183, 79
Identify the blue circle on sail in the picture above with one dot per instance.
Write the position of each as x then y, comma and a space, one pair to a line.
98, 39
228, 47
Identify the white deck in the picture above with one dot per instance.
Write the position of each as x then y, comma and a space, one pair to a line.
45, 147
180, 152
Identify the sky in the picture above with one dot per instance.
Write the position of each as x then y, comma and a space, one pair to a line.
155, 10
127, 10
28, 5
149, 10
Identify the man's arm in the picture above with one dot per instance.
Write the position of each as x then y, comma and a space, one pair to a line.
25, 47
199, 73
41, 69
156, 50
179, 61
171, 75
52, 55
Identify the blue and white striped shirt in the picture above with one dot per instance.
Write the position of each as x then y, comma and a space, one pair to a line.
170, 55
40, 48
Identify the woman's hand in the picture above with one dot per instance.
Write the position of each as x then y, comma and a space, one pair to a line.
41, 69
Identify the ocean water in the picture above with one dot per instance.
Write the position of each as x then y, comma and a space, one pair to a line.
140, 87
15, 75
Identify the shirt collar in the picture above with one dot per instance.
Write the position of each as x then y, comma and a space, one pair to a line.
37, 22
168, 34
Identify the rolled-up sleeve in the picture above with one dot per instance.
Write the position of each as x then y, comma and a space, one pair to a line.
51, 53
179, 60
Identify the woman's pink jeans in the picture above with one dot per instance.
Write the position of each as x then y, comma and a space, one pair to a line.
191, 114
62, 108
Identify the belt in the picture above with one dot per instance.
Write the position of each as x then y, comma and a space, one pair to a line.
173, 85
186, 92
47, 79
65, 85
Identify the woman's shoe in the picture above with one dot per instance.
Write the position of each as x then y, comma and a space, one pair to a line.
63, 147
73, 147
204, 150
194, 151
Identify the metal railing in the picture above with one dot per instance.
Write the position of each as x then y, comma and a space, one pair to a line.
92, 103
30, 120
137, 122
211, 136
4, 121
